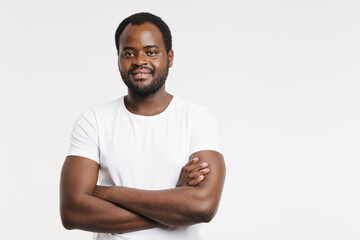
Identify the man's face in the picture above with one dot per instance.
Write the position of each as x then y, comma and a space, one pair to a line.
143, 60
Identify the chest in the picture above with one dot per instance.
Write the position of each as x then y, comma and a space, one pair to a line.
143, 154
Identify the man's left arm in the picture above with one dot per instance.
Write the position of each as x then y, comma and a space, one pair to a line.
181, 206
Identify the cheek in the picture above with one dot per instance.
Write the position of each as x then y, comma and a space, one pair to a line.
123, 66
160, 63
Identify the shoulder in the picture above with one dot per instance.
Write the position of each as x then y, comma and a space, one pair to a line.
196, 113
190, 108
103, 110
108, 107
97, 115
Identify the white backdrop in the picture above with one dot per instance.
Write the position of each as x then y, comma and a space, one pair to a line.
282, 77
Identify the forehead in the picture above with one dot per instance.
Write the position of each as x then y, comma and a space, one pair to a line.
141, 35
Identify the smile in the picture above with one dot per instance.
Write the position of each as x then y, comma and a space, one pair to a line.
139, 76
140, 73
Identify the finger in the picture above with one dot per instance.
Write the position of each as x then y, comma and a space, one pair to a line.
205, 171
196, 174
194, 171
196, 167
191, 162
195, 181
185, 171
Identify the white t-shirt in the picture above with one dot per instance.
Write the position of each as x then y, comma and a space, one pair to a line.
144, 152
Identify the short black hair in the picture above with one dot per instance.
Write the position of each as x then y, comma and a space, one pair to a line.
141, 18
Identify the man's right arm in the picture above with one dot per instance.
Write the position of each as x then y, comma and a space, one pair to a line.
81, 210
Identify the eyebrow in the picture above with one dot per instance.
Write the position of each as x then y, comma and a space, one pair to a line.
147, 46
151, 46
128, 48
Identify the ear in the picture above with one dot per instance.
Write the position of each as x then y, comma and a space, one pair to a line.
171, 58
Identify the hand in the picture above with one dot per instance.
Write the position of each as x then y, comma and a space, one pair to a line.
192, 173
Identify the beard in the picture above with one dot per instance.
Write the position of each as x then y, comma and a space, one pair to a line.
157, 82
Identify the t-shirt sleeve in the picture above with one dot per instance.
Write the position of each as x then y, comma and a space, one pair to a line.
84, 138
204, 132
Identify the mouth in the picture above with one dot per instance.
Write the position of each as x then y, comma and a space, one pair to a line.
141, 73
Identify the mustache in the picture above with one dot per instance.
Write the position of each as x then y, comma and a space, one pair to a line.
152, 71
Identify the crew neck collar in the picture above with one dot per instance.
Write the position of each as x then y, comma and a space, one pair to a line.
169, 106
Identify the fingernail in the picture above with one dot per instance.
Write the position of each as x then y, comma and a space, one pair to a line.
195, 159
204, 164
201, 177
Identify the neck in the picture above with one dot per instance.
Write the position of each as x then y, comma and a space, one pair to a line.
148, 105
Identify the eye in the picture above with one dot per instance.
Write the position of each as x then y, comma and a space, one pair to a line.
151, 53
128, 54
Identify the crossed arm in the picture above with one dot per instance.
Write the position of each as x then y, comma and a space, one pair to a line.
117, 209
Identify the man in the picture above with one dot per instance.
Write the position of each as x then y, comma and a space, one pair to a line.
155, 157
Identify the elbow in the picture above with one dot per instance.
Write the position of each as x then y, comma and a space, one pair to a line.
203, 207
72, 213
208, 217
207, 211
67, 225
66, 220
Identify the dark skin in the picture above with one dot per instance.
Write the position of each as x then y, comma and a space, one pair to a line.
120, 209
140, 47
81, 208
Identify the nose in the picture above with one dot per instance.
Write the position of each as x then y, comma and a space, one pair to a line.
140, 60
